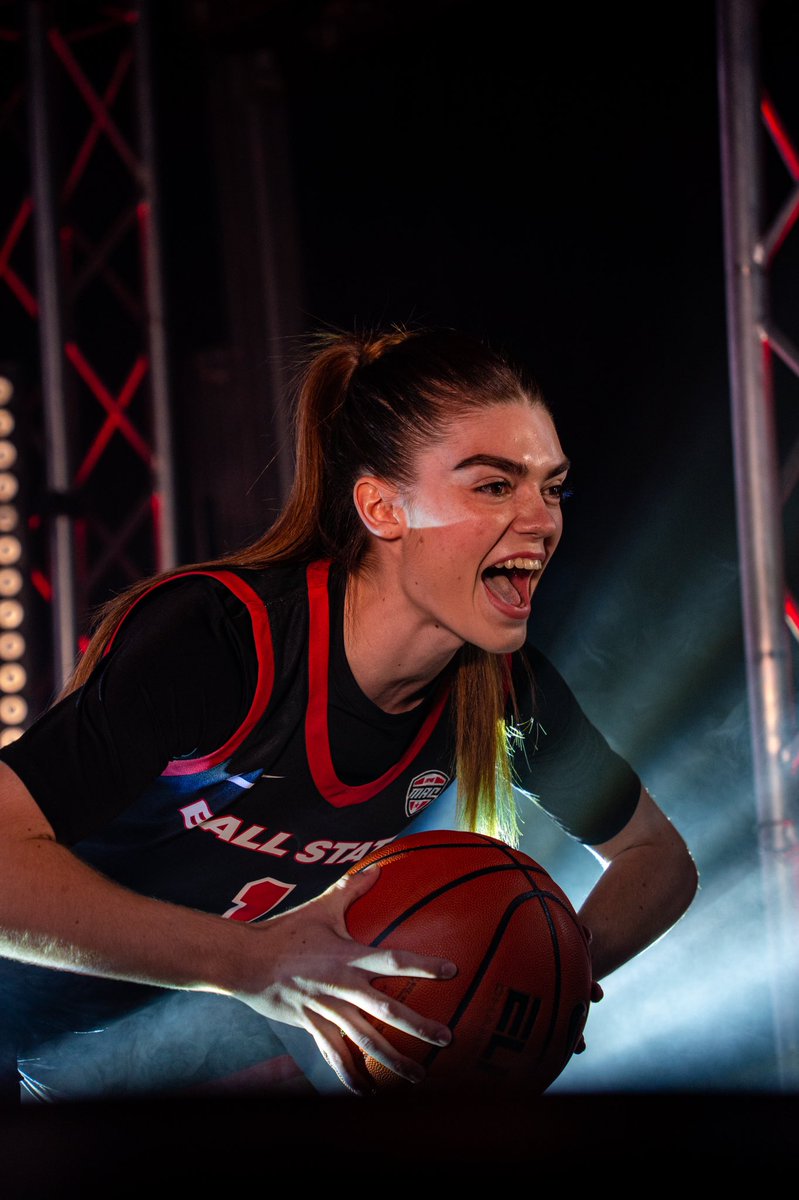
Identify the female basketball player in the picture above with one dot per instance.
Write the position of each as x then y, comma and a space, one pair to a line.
239, 733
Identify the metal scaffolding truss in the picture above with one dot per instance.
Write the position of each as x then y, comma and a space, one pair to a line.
750, 122
88, 209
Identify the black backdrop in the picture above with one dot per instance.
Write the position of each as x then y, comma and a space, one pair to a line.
547, 179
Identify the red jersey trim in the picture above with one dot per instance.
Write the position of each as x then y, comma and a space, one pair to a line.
317, 739
264, 650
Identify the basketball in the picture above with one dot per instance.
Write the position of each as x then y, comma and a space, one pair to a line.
520, 1000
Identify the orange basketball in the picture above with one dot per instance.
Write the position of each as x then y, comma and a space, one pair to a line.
519, 1002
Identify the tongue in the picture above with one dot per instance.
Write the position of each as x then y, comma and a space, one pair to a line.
502, 587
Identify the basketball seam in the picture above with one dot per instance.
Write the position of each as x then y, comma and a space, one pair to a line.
480, 971
381, 857
418, 905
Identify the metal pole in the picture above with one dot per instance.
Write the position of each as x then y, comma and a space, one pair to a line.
51, 341
166, 521
263, 157
758, 505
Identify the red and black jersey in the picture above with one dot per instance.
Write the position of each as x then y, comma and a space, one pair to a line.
265, 821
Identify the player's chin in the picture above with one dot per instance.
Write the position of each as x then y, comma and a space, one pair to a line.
502, 641
500, 634
513, 643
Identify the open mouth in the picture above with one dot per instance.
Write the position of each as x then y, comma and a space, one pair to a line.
509, 581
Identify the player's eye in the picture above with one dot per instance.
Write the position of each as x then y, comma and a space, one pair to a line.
498, 487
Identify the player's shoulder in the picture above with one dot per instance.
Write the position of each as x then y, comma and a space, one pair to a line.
541, 692
207, 604
274, 583
230, 584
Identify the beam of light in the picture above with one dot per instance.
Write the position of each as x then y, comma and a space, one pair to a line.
681, 1017
665, 681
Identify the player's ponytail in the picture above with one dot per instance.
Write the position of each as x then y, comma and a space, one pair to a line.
298, 534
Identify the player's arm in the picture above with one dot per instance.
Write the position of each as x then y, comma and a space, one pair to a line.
301, 967
648, 881
56, 911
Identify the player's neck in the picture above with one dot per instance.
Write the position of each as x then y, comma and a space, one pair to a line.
393, 651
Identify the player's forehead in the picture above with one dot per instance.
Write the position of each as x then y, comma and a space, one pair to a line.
516, 435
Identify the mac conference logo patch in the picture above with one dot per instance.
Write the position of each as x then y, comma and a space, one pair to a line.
423, 790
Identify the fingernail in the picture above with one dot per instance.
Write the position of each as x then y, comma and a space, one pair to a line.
443, 1037
415, 1074
448, 970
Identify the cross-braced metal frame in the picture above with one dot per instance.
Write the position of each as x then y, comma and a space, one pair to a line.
96, 297
769, 610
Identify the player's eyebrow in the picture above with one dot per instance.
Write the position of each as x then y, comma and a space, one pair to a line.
508, 465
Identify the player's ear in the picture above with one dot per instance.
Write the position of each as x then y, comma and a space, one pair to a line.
379, 506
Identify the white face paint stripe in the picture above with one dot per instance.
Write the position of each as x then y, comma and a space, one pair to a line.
419, 518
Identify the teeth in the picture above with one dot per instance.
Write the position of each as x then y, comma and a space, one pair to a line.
521, 564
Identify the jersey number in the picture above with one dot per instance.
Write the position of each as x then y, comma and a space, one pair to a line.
257, 898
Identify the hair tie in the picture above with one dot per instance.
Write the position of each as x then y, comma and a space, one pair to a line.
376, 347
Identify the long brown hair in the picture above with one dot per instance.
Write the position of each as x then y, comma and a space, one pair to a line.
370, 402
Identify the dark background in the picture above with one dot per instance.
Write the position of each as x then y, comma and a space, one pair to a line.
546, 179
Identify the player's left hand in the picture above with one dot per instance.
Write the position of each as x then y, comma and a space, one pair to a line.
596, 995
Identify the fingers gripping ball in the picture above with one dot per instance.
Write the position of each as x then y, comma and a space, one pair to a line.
519, 1003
